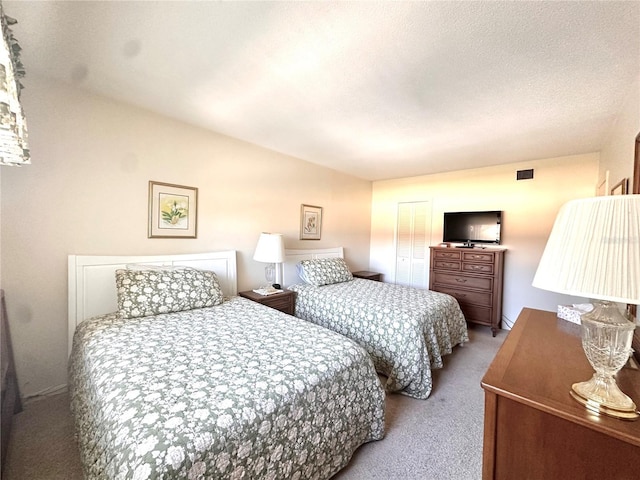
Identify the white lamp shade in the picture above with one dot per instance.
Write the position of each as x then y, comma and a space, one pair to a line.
594, 250
270, 248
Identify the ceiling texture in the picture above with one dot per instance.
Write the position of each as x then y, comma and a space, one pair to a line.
378, 90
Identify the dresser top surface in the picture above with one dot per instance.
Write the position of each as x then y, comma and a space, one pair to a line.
474, 249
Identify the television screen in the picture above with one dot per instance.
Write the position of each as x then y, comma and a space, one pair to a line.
472, 227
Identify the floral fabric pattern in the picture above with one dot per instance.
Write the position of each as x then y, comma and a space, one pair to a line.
324, 271
406, 330
238, 390
149, 292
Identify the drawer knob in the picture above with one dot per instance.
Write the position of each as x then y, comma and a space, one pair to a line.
461, 280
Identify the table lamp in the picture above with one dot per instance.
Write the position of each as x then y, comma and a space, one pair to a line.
270, 250
594, 252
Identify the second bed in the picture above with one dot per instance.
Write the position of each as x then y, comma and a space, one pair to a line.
407, 331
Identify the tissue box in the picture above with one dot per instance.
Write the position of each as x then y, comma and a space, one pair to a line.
572, 312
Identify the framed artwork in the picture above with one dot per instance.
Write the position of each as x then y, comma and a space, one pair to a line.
173, 210
310, 222
621, 188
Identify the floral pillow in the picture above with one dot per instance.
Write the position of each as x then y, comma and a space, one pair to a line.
324, 271
150, 292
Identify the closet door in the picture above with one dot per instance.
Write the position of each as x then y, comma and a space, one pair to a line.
412, 244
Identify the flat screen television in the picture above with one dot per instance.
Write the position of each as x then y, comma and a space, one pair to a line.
472, 227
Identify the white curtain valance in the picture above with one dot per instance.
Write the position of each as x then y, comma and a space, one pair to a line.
14, 149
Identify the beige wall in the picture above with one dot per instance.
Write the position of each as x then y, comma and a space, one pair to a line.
529, 210
529, 206
86, 193
617, 155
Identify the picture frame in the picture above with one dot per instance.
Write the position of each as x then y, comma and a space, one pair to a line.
310, 222
621, 188
173, 211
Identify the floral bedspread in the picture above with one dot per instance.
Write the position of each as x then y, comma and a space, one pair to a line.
406, 330
238, 390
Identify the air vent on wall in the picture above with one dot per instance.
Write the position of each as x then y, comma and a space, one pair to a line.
524, 174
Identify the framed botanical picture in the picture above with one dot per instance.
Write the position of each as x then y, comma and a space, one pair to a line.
310, 222
173, 211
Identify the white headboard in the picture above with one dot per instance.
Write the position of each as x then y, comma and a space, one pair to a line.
292, 257
92, 280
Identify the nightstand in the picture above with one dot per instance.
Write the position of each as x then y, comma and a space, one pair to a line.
375, 276
280, 301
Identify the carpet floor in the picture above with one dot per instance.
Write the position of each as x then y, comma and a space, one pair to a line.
439, 438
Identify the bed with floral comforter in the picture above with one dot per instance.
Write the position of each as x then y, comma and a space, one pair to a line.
237, 390
406, 330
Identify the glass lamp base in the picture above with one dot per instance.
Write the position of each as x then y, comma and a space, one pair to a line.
590, 395
270, 273
606, 340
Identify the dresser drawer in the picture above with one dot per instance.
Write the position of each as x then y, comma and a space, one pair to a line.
447, 254
447, 265
479, 283
465, 297
477, 314
477, 257
486, 268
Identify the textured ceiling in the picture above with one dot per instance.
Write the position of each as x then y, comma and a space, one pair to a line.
378, 90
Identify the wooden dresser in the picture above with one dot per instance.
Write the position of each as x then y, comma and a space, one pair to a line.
474, 277
533, 428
